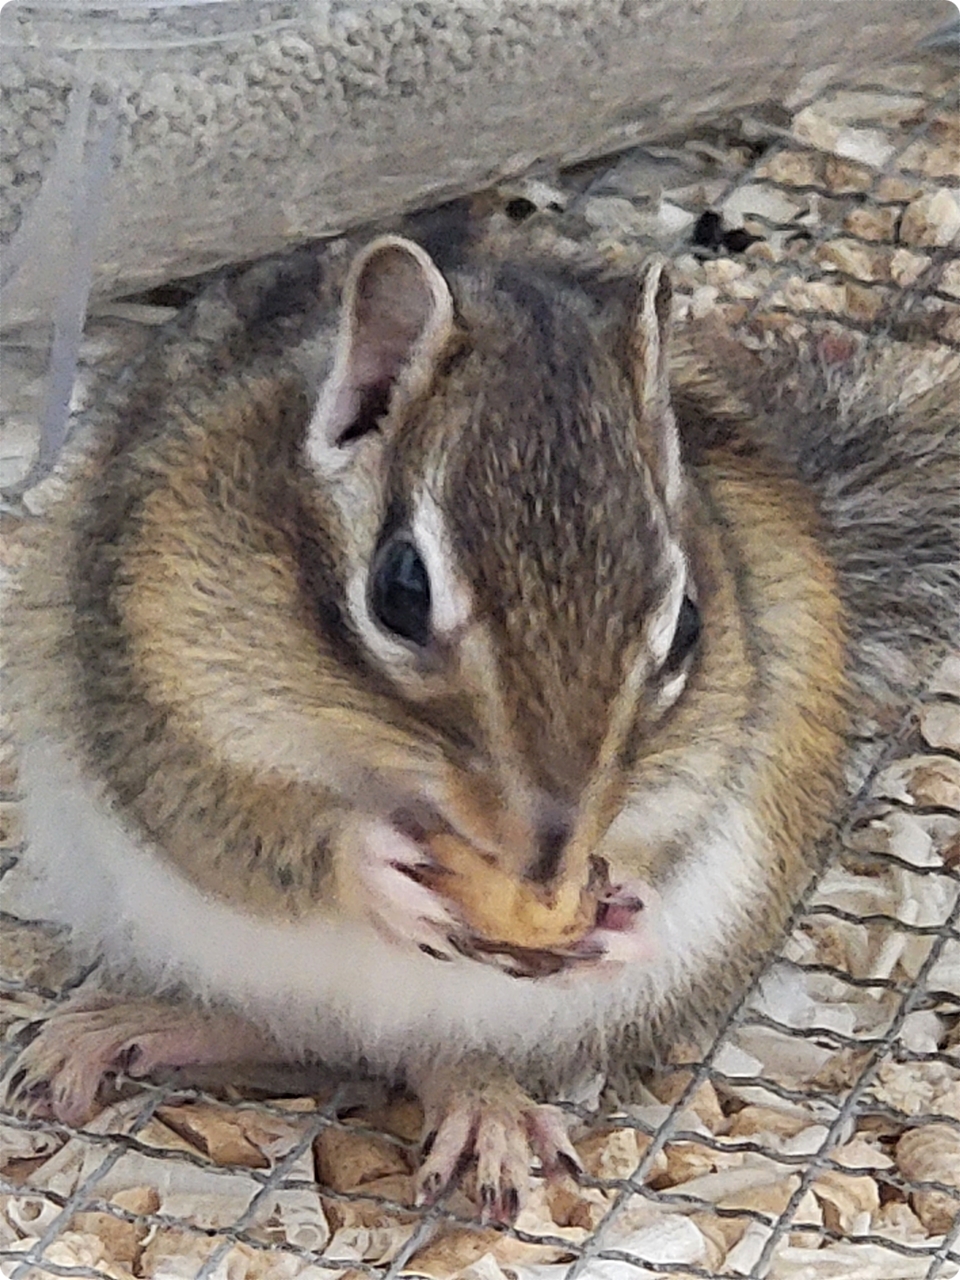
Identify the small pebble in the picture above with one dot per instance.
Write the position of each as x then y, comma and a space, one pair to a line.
932, 219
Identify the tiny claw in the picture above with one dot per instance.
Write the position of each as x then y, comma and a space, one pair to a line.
511, 1204
28, 1033
586, 951
35, 1100
419, 874
433, 953
430, 1190
30, 1094
125, 1062
570, 1163
488, 1199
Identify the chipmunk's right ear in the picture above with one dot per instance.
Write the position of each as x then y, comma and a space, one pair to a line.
650, 369
397, 315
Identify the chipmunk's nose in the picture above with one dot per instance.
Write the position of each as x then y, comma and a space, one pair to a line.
552, 834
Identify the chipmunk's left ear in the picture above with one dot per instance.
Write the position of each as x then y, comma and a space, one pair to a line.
649, 367
396, 317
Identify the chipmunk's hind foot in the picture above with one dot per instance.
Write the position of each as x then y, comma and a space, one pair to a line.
493, 1122
81, 1046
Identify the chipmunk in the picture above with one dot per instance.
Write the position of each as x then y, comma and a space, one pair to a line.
475, 713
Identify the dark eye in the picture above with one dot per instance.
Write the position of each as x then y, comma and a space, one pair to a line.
400, 592
686, 635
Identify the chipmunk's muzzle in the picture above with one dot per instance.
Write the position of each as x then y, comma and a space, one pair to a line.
530, 924
618, 917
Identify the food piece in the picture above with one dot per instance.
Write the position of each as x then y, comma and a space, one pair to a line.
503, 909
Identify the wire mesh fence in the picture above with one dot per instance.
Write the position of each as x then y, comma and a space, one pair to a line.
819, 1135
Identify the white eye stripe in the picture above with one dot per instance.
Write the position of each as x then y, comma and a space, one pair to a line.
662, 626
671, 691
450, 603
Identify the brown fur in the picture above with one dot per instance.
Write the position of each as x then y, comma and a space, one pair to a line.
191, 598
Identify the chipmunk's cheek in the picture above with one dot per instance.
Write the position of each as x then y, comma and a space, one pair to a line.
627, 930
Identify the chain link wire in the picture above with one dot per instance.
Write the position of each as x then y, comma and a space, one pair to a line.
901, 313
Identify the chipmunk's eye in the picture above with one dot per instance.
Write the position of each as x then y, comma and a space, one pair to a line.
686, 635
400, 592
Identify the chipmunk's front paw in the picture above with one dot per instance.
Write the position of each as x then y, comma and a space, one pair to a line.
626, 928
393, 868
483, 1116
81, 1046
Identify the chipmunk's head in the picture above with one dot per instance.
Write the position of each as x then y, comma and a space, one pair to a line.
502, 458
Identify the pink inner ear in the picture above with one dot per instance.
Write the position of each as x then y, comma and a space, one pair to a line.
394, 300
392, 305
378, 352
343, 408
361, 395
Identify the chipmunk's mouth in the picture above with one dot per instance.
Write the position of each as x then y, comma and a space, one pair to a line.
606, 928
619, 912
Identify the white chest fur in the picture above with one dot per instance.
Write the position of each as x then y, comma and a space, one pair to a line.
338, 990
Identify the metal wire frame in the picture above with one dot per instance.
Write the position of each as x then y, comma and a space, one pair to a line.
838, 1114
